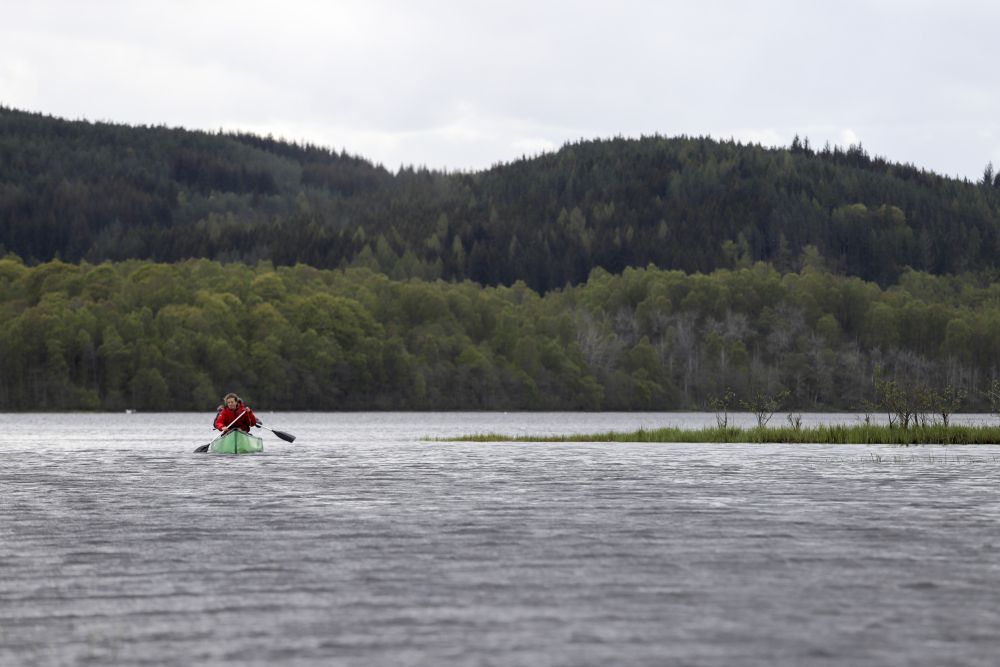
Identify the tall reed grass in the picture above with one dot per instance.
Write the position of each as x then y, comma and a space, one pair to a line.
860, 434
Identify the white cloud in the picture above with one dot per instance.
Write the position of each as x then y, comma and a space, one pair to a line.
849, 138
467, 84
534, 145
18, 82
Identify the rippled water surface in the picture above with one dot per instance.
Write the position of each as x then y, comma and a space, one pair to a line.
363, 544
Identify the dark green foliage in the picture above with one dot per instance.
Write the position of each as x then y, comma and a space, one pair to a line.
177, 336
93, 191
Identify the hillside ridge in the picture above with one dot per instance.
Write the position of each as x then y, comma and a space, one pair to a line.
81, 190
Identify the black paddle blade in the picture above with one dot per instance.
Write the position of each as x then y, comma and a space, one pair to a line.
202, 449
287, 437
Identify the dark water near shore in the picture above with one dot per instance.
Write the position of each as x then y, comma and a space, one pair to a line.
362, 544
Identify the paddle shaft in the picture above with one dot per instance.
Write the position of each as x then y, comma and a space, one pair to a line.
204, 448
235, 420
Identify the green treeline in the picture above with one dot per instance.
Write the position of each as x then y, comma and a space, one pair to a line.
153, 336
96, 191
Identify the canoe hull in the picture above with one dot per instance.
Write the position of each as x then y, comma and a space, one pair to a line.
236, 442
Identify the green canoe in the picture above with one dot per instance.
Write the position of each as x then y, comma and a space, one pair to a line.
236, 442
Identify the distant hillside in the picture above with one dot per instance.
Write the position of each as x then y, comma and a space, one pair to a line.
79, 190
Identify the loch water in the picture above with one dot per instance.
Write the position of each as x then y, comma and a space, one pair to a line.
364, 543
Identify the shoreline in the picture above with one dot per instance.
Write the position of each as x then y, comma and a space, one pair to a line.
864, 434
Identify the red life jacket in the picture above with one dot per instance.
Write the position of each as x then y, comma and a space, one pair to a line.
225, 417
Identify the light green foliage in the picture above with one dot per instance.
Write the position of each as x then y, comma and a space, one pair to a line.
176, 336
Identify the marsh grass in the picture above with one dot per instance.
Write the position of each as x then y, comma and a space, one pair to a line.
872, 457
860, 434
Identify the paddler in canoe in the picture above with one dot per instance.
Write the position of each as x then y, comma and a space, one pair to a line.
234, 413
235, 418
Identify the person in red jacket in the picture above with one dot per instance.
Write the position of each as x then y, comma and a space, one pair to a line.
235, 414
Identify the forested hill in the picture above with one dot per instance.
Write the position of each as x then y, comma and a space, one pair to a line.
149, 336
78, 190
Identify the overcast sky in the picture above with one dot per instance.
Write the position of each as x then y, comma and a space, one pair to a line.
466, 84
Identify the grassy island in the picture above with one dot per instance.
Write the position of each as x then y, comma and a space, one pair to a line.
860, 434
